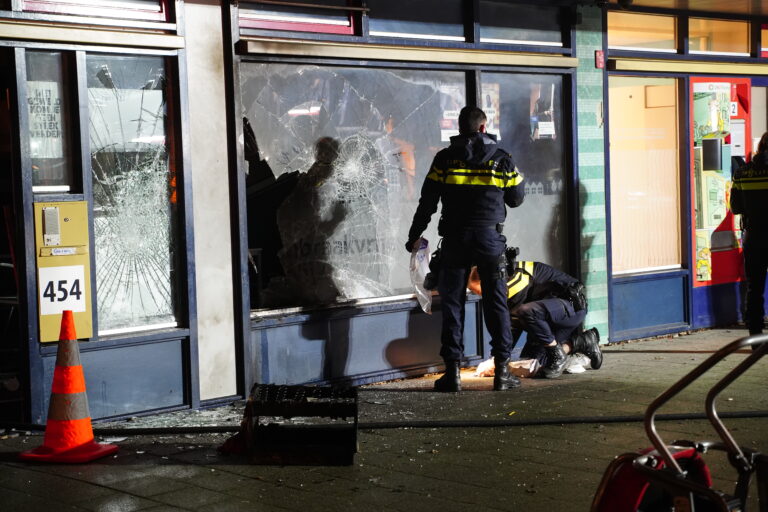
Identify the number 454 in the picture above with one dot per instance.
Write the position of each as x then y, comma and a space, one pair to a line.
58, 291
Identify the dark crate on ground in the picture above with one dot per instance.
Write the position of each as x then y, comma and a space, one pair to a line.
326, 435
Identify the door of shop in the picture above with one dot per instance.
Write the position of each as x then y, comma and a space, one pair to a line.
11, 357
649, 275
720, 140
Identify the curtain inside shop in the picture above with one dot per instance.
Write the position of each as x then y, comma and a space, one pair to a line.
134, 197
336, 158
645, 174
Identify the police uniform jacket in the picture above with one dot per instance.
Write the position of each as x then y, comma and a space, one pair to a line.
474, 179
749, 193
532, 280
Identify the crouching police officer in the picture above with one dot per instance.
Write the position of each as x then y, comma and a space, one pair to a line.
550, 306
473, 179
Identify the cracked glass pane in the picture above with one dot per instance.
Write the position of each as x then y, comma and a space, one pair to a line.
134, 196
527, 113
336, 157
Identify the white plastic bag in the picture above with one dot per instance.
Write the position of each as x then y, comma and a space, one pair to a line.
419, 269
523, 368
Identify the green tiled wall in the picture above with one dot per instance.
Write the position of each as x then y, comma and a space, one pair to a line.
591, 158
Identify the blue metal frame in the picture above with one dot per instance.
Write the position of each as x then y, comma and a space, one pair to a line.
247, 353
246, 376
684, 156
34, 370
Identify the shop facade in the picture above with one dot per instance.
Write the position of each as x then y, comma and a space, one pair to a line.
686, 104
329, 288
245, 174
97, 208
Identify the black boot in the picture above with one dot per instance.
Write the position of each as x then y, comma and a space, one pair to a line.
588, 343
556, 362
502, 379
450, 382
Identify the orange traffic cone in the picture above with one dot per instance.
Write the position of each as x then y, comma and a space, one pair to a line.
68, 433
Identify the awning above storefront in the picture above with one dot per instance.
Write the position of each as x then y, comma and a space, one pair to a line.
739, 7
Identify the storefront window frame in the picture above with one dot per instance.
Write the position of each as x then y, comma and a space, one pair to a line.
473, 80
164, 21
162, 14
360, 33
756, 42
75, 55
303, 25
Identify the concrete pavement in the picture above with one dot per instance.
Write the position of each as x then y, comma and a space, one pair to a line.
549, 456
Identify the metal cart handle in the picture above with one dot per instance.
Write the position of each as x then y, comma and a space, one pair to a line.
650, 413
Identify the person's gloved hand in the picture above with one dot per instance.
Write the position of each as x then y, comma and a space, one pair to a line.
409, 245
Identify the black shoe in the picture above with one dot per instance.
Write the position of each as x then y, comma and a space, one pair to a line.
450, 382
588, 343
502, 379
556, 362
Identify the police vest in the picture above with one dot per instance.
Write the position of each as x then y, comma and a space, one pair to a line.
521, 278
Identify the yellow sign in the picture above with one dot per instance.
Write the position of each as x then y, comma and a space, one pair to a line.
63, 267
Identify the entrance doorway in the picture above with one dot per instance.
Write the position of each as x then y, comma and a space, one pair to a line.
646, 207
11, 376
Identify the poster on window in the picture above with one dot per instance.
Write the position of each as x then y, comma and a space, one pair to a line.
711, 110
491, 108
451, 103
45, 125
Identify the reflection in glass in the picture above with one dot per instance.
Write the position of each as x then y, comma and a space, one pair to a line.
296, 17
49, 122
526, 113
764, 39
718, 36
331, 223
426, 19
505, 23
645, 174
646, 32
133, 192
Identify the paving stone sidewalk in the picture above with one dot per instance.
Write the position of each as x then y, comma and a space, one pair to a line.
550, 455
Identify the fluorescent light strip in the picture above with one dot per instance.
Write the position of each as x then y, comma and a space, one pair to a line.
295, 19
50, 188
727, 54
144, 6
517, 41
647, 270
641, 49
418, 36
126, 330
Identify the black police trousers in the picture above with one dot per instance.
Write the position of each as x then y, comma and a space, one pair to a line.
546, 320
461, 250
755, 267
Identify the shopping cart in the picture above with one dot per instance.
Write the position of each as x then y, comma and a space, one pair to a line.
675, 477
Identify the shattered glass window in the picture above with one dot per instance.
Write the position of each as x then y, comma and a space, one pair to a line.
336, 158
526, 112
134, 195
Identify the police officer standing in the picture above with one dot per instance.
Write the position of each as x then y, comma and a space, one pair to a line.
749, 195
473, 179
